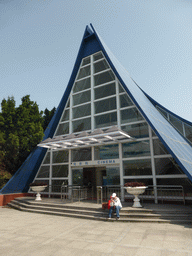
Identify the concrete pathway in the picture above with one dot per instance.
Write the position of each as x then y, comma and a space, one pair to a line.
26, 234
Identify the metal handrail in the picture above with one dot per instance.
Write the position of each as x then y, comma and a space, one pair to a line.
73, 192
162, 191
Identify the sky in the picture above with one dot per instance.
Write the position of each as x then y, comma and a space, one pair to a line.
40, 39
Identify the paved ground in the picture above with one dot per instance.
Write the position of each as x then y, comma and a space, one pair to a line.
23, 233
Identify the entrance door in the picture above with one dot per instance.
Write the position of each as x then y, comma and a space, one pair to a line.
89, 177
93, 177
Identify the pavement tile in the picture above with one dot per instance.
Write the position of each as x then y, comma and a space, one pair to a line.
131, 241
28, 234
125, 250
148, 252
174, 253
155, 237
154, 244
77, 244
173, 245
100, 247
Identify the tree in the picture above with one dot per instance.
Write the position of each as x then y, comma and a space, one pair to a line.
29, 127
47, 117
21, 129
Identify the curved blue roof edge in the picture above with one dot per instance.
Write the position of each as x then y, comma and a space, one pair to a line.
108, 56
17, 183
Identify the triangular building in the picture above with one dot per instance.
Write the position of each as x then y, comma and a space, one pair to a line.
107, 131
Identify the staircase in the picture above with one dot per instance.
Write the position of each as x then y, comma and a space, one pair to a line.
89, 210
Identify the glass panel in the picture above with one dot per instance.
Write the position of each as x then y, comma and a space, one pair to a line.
104, 78
137, 130
106, 120
60, 171
121, 88
82, 125
137, 167
97, 56
65, 116
105, 91
188, 132
177, 123
164, 166
84, 110
43, 172
113, 175
163, 112
83, 154
47, 159
105, 105
159, 148
86, 61
130, 115
135, 149
153, 134
62, 129
68, 104
60, 156
77, 177
106, 152
86, 71
81, 97
82, 85
56, 185
125, 101
101, 65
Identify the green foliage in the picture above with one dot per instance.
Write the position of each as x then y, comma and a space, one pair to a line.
4, 177
21, 129
47, 117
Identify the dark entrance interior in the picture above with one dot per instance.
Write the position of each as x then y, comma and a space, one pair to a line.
93, 177
89, 177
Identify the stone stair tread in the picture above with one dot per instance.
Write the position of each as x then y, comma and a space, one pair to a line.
97, 213
90, 216
47, 208
61, 205
78, 210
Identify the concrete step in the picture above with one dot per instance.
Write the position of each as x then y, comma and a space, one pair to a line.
94, 211
23, 206
84, 216
55, 205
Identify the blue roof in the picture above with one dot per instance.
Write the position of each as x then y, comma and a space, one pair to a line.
176, 144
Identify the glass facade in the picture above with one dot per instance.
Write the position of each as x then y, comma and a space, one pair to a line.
136, 149
107, 152
140, 167
98, 100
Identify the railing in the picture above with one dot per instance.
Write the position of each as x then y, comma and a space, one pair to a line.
104, 192
165, 192
68, 192
159, 192
76, 193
